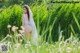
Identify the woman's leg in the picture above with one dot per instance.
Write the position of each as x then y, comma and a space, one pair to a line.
28, 36
28, 33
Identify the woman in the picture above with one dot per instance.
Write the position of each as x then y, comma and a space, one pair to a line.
29, 25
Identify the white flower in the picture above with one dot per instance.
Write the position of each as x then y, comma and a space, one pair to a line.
74, 42
53, 46
20, 40
19, 35
68, 49
14, 28
79, 47
1, 44
8, 35
8, 26
21, 31
17, 45
0, 48
39, 46
27, 45
47, 43
59, 49
22, 27
9, 44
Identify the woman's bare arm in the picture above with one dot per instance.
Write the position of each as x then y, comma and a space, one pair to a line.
22, 21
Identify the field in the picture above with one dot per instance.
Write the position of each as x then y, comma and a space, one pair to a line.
58, 28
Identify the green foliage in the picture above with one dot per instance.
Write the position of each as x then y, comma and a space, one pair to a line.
11, 15
48, 18
45, 15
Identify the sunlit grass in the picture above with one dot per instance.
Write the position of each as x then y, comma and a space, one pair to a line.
16, 45
53, 22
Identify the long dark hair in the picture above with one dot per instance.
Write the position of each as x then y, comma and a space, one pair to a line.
27, 8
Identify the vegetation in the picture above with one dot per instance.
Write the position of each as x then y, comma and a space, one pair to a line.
57, 24
64, 17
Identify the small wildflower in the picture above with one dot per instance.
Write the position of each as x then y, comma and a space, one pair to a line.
59, 49
79, 47
22, 27
74, 42
14, 28
68, 49
53, 46
27, 45
19, 35
8, 26
17, 45
47, 43
39, 47
20, 40
21, 31
0, 48
9, 44
8, 35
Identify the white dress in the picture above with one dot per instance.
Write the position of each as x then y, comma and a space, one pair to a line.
26, 23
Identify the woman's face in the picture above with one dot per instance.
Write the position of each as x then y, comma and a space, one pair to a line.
24, 10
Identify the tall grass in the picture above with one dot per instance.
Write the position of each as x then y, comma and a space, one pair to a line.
55, 23
44, 15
